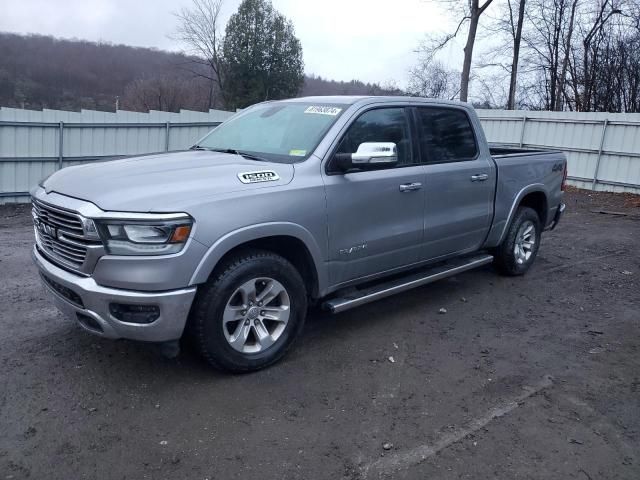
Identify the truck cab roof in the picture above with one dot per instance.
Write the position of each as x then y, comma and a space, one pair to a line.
367, 99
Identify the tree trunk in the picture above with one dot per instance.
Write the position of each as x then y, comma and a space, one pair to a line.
210, 102
475, 11
511, 102
565, 61
468, 51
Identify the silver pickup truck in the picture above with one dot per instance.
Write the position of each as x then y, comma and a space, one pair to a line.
335, 201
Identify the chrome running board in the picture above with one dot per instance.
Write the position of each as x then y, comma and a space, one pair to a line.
412, 280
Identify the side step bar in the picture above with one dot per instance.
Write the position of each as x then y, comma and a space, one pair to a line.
413, 280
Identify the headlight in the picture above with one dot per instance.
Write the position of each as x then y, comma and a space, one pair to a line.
123, 237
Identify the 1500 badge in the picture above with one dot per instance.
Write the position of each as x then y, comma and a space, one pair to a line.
258, 176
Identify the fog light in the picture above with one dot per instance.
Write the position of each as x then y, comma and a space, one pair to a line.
89, 322
134, 313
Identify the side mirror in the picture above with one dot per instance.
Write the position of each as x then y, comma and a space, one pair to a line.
369, 154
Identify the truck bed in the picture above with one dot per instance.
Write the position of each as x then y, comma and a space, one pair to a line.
519, 169
498, 150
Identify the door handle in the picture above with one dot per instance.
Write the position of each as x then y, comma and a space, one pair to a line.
410, 187
481, 177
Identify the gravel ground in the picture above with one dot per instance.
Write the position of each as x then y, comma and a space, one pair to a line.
533, 377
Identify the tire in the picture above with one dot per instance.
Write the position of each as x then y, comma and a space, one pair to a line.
524, 229
243, 345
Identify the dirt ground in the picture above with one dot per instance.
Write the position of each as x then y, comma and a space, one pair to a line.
533, 377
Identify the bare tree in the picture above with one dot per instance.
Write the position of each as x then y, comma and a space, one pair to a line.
566, 42
475, 11
547, 38
430, 78
559, 93
498, 66
167, 93
468, 11
199, 31
593, 40
491, 92
560, 54
515, 28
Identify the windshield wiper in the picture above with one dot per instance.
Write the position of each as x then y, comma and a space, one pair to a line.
197, 147
233, 151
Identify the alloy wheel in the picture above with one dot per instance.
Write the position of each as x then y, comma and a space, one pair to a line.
256, 315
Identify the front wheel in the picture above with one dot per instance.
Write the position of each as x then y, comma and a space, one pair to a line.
520, 246
248, 315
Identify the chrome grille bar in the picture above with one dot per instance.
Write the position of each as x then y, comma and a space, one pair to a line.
58, 217
60, 234
50, 249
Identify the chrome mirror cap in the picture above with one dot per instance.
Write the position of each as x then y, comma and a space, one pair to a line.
375, 152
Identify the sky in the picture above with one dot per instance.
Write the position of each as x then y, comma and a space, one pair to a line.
368, 40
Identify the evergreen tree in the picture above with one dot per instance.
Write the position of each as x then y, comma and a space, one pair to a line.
262, 56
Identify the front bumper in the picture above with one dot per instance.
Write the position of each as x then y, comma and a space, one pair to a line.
82, 299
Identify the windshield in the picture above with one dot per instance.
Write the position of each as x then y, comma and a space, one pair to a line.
284, 132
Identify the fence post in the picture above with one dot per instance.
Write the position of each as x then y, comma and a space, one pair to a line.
166, 137
524, 122
60, 144
595, 174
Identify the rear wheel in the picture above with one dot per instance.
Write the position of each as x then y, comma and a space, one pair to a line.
520, 246
248, 315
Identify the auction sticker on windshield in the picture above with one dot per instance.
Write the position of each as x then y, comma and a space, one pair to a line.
333, 111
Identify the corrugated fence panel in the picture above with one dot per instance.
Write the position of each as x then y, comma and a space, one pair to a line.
503, 131
605, 145
183, 137
30, 140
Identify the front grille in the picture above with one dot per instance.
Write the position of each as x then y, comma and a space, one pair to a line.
60, 235
58, 217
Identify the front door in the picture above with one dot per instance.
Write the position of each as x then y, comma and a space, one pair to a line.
375, 217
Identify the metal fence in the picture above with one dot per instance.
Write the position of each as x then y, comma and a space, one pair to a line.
34, 144
603, 149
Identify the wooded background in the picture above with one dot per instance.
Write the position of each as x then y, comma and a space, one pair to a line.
557, 55
43, 72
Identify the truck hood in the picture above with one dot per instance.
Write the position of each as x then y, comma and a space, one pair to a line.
162, 183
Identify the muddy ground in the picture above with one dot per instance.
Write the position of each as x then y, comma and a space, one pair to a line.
533, 377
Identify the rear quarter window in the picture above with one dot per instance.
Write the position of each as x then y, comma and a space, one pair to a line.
445, 135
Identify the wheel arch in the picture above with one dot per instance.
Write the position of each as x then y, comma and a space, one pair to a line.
533, 196
288, 240
537, 200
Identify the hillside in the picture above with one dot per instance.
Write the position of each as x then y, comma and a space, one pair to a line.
45, 72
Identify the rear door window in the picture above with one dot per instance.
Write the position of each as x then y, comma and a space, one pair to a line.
445, 135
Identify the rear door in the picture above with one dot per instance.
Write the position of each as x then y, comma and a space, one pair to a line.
459, 182
375, 216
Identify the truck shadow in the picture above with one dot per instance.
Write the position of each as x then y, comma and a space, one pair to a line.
125, 360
